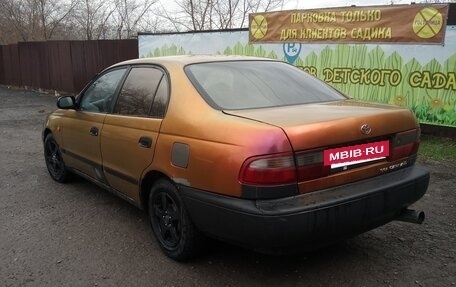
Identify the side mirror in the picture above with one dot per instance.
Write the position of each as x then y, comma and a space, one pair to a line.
66, 102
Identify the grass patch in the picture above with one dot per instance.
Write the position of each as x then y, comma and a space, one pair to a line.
437, 148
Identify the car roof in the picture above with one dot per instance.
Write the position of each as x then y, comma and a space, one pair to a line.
190, 59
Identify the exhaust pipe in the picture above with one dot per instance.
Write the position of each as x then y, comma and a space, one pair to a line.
411, 215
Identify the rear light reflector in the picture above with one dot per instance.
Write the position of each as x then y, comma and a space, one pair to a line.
269, 170
404, 144
310, 165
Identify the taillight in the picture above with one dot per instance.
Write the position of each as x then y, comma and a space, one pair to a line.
269, 170
281, 168
310, 165
404, 144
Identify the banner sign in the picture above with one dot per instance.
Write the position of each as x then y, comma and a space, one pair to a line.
373, 24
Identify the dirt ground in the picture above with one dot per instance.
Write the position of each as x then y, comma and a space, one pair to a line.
80, 235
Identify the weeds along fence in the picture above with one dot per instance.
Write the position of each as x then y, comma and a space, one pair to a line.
60, 65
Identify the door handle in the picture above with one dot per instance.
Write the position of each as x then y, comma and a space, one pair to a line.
145, 142
94, 131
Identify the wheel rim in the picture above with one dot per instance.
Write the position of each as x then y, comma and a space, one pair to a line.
166, 220
54, 160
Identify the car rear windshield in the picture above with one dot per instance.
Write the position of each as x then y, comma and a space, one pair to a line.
257, 84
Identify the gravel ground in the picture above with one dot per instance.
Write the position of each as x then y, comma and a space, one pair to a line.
80, 235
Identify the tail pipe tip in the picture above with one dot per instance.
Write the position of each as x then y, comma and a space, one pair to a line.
412, 216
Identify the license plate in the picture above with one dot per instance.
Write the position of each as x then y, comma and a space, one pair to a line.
356, 154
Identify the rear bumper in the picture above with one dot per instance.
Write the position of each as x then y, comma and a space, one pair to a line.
303, 221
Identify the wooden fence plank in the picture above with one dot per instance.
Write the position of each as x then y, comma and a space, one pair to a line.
61, 65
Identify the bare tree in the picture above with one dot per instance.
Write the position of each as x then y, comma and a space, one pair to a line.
52, 13
226, 13
199, 12
34, 19
92, 17
216, 14
130, 14
20, 17
7, 33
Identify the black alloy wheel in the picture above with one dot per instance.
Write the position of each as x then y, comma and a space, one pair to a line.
168, 219
173, 229
54, 160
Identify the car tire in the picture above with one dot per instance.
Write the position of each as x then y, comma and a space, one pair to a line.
54, 161
172, 226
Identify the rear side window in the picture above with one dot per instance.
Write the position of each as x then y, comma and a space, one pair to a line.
257, 84
138, 92
161, 99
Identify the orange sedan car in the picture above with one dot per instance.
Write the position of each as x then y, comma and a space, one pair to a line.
252, 151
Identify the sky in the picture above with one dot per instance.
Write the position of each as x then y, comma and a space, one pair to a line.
296, 4
310, 4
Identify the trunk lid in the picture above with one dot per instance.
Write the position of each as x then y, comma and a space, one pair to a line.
332, 124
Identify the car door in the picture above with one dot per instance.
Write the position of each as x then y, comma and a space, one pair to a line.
130, 133
81, 128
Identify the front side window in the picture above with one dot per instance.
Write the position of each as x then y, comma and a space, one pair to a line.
138, 92
257, 84
99, 95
